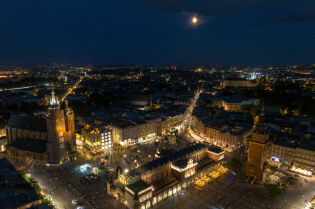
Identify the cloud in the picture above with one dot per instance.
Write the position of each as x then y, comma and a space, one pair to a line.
124, 35
118, 35
270, 10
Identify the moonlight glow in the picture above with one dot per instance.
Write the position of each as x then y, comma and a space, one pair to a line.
194, 20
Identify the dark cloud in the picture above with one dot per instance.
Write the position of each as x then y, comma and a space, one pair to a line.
270, 10
118, 35
157, 31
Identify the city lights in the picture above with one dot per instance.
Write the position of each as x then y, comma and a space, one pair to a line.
222, 118
84, 168
301, 171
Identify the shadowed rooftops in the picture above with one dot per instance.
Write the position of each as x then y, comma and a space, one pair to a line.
32, 145
27, 122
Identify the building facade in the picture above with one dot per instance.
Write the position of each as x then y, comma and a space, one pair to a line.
171, 122
221, 134
298, 155
50, 139
236, 83
127, 133
159, 179
97, 139
234, 104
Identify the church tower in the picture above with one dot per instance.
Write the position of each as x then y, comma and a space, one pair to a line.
70, 130
257, 147
55, 130
60, 131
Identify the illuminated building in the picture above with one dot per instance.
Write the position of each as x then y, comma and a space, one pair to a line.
299, 153
142, 102
50, 139
257, 149
225, 129
3, 138
2, 132
159, 179
234, 103
173, 119
97, 139
128, 133
238, 82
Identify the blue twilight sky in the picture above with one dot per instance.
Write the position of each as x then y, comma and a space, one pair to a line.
157, 31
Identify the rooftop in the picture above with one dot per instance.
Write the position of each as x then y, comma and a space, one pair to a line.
27, 122
32, 145
234, 123
204, 163
138, 186
181, 162
288, 140
215, 149
164, 182
170, 157
15, 192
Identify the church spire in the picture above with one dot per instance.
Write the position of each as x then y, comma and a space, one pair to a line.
53, 99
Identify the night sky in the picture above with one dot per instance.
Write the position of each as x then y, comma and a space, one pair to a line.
157, 31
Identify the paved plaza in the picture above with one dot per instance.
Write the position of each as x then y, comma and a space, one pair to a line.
223, 193
65, 183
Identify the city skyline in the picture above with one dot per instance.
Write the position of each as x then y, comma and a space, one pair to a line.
157, 104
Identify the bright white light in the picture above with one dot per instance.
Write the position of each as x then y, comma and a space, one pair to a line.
84, 168
194, 20
126, 171
275, 159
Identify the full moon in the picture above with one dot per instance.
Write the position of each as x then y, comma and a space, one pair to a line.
194, 20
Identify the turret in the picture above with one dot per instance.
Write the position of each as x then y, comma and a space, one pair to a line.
68, 111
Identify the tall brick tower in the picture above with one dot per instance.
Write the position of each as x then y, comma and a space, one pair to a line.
70, 131
257, 147
60, 131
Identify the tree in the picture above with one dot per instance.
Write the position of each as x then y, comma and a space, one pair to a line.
273, 191
292, 180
